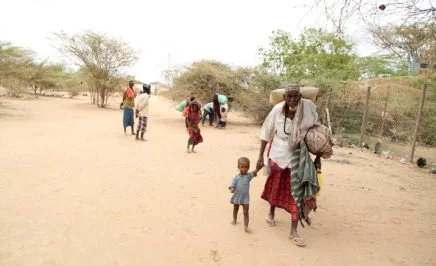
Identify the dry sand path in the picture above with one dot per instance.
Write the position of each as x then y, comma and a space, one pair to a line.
74, 190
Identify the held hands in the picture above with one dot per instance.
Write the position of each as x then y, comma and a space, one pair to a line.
260, 164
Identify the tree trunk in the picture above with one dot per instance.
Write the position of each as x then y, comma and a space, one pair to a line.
97, 96
35, 89
102, 97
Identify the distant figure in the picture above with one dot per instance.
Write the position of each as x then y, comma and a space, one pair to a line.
240, 188
142, 110
208, 113
193, 119
128, 104
223, 122
377, 148
216, 108
185, 111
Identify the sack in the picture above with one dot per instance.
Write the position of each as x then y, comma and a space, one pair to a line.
181, 106
319, 141
222, 99
276, 96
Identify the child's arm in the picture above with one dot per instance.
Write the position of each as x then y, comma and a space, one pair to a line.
232, 187
258, 167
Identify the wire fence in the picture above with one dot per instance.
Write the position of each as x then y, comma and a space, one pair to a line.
382, 116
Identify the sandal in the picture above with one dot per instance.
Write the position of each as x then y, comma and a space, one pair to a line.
270, 221
299, 241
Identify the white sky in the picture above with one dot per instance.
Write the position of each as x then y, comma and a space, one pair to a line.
188, 30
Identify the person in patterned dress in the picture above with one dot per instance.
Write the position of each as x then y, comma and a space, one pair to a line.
285, 128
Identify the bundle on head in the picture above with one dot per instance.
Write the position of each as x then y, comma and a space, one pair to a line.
382, 7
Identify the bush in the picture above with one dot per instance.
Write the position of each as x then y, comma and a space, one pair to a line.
249, 87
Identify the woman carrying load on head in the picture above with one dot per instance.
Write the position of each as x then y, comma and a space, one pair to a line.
193, 118
292, 183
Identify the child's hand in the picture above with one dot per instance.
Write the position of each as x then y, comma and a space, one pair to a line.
232, 189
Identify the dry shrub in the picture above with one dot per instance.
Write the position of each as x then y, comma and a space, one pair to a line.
249, 88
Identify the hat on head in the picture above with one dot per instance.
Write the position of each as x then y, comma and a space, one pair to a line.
292, 87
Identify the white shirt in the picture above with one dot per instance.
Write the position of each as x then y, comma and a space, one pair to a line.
208, 107
273, 130
142, 104
224, 114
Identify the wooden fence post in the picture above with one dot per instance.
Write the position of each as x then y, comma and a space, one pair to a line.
328, 119
365, 112
418, 120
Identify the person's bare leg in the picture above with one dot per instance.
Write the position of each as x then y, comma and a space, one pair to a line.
125, 132
295, 236
133, 131
137, 133
294, 226
270, 219
187, 148
235, 213
246, 207
272, 212
193, 146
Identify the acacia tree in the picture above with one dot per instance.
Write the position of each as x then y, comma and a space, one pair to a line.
102, 56
15, 67
340, 12
410, 43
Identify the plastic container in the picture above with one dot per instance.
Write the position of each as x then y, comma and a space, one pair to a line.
320, 181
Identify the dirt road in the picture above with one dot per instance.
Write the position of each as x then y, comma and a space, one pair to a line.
74, 190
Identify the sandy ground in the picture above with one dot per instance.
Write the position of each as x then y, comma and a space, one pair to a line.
74, 190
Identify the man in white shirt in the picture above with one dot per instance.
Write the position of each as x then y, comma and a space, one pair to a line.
208, 112
285, 126
142, 110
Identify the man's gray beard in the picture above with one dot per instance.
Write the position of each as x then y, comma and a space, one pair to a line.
293, 109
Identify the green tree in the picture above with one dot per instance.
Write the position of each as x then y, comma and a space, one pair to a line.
379, 66
315, 55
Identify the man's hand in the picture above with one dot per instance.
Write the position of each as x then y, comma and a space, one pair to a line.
260, 164
317, 162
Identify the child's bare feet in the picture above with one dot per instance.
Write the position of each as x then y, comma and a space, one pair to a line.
233, 222
247, 230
